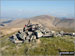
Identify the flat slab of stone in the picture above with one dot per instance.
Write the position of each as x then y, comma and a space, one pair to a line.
18, 41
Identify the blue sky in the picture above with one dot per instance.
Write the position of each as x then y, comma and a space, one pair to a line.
26, 9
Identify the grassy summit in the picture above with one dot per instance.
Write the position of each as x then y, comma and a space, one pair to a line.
48, 46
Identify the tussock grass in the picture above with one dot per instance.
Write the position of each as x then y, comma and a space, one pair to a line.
48, 46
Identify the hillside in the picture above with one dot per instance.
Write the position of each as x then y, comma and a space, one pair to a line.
47, 21
53, 23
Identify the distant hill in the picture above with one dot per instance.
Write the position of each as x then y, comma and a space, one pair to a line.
51, 22
66, 24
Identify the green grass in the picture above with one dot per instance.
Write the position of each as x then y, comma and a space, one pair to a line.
48, 46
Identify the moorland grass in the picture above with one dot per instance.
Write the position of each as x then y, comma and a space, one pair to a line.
48, 46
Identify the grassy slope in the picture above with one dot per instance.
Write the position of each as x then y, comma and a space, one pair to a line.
48, 46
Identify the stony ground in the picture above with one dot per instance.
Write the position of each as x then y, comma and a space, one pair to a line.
45, 46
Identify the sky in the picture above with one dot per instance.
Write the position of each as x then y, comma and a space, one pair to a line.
26, 9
